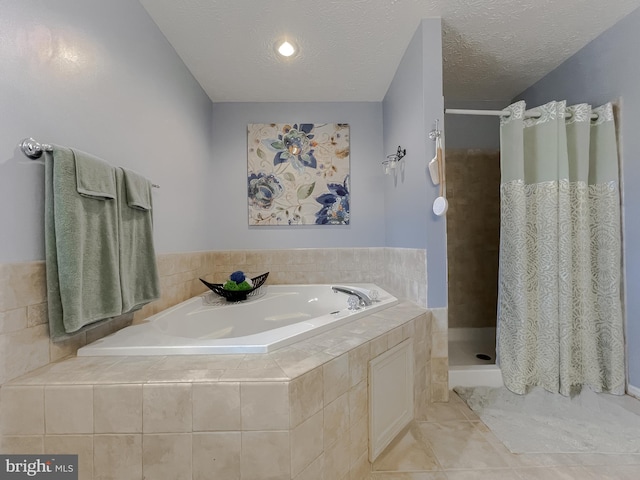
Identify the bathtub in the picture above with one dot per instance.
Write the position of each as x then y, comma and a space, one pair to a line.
283, 315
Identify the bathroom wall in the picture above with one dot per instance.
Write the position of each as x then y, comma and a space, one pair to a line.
472, 158
101, 77
607, 69
473, 236
410, 107
473, 131
227, 197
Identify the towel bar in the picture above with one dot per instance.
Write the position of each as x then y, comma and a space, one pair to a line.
34, 150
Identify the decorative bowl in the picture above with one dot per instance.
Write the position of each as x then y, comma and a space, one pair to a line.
237, 295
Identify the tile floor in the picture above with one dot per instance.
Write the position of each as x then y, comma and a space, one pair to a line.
453, 444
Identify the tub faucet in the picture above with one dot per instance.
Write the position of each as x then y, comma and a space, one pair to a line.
365, 300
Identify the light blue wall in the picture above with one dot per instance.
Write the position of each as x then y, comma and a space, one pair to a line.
101, 77
473, 131
227, 184
410, 107
608, 68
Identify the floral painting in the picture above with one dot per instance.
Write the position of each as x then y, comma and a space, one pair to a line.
298, 174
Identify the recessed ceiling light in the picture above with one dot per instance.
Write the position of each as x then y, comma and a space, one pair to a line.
286, 49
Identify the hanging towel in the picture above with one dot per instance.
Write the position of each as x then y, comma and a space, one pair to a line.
81, 241
139, 279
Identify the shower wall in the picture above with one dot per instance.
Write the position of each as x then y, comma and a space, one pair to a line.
473, 235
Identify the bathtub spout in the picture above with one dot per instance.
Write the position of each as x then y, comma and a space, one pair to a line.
365, 300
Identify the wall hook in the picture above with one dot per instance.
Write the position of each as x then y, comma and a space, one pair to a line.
435, 134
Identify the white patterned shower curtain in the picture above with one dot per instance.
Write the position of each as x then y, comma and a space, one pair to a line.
559, 315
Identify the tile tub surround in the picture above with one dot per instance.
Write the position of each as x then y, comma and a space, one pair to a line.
24, 336
300, 412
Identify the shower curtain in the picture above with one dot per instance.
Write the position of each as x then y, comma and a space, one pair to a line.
559, 314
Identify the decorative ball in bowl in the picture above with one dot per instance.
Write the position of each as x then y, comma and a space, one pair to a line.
238, 287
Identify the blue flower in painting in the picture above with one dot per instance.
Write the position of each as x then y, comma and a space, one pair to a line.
335, 205
295, 145
263, 190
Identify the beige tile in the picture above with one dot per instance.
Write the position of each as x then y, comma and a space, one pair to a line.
440, 321
298, 361
265, 406
167, 456
406, 453
117, 408
68, 409
21, 444
440, 369
22, 410
306, 443
409, 476
166, 408
361, 468
69, 346
358, 402
440, 345
25, 285
216, 406
461, 445
617, 472
81, 445
336, 459
491, 474
409, 330
117, 457
199, 362
598, 459
336, 378
275, 374
24, 351
216, 455
183, 376
358, 440
336, 420
37, 314
394, 337
439, 391
379, 345
258, 362
442, 412
358, 364
265, 455
306, 396
13, 320
562, 473
315, 471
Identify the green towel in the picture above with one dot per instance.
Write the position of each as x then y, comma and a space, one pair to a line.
81, 241
137, 190
138, 269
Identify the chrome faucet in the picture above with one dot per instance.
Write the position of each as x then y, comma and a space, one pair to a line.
365, 300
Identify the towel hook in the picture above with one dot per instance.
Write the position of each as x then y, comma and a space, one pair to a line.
435, 134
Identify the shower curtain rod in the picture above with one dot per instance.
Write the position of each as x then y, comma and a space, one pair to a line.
501, 113
34, 150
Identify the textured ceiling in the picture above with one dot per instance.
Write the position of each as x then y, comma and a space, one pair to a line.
350, 49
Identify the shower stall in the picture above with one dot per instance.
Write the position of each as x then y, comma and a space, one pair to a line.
473, 236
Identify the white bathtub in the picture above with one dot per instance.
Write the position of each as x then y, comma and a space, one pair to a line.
284, 315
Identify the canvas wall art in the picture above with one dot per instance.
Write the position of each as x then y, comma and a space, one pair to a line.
298, 173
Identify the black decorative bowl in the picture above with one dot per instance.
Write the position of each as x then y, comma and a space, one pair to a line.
237, 295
